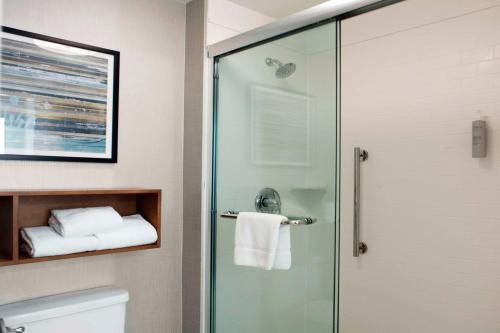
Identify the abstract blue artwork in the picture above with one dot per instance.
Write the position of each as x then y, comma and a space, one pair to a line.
58, 99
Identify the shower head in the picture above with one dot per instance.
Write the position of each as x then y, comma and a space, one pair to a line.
285, 71
282, 70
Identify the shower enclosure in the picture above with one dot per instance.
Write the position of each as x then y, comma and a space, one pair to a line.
406, 233
275, 149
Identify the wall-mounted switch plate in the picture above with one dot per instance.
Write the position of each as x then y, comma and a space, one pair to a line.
479, 139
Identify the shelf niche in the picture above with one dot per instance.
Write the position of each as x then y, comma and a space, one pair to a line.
20, 209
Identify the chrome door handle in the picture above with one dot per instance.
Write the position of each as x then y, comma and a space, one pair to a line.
358, 246
16, 330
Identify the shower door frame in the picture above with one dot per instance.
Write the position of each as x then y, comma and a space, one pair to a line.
259, 36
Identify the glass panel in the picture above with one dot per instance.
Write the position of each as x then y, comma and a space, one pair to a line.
276, 127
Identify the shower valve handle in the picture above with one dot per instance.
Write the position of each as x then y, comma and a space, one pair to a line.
268, 201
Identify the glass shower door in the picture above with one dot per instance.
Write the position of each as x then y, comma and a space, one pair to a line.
276, 127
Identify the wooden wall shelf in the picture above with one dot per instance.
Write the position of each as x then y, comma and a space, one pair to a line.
19, 209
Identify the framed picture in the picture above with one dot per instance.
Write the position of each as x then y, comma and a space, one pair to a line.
58, 99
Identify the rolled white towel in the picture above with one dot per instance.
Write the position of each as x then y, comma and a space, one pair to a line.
79, 222
134, 231
43, 241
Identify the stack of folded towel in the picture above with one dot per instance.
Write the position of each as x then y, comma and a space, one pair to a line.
86, 229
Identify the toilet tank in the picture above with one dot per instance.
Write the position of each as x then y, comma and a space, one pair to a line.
100, 310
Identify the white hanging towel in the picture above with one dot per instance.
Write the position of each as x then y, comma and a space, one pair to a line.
261, 241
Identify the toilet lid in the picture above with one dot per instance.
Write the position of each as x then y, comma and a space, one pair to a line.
60, 305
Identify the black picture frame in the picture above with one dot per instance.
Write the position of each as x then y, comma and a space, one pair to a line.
113, 158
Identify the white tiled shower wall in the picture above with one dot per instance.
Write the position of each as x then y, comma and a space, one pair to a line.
414, 77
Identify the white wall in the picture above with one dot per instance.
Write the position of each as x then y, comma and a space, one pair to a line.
414, 76
226, 19
150, 36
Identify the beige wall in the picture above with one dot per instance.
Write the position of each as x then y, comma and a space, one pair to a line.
150, 36
414, 77
193, 120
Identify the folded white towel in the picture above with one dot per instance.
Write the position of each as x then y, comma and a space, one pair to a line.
261, 241
84, 221
44, 241
134, 231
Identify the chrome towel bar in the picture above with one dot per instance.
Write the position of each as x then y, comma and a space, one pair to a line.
291, 220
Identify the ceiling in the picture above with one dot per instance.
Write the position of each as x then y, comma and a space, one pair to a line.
278, 8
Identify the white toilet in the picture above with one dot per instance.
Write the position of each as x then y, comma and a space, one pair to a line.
100, 310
